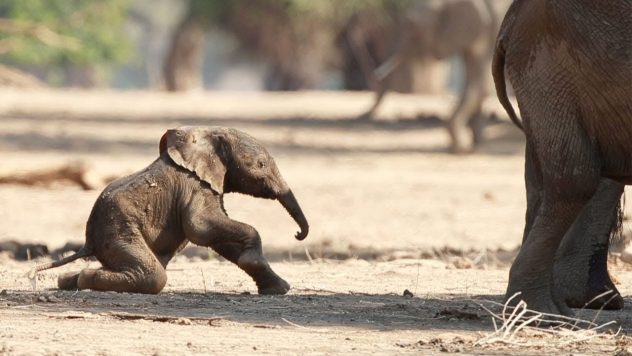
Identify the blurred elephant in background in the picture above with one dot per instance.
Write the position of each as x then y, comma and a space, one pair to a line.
440, 30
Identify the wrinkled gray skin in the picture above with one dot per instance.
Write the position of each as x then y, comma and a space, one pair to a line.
140, 222
442, 29
570, 63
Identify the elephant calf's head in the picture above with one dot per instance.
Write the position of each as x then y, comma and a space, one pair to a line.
231, 161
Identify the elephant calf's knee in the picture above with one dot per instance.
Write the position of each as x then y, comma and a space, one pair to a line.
155, 283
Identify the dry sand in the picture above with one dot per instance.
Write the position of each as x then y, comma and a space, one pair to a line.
385, 198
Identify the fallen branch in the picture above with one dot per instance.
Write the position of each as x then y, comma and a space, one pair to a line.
305, 328
161, 318
75, 173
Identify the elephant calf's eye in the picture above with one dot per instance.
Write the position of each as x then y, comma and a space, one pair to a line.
261, 164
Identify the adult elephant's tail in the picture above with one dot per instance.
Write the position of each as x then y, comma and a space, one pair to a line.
498, 71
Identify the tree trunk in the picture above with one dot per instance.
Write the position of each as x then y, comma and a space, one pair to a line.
82, 76
183, 66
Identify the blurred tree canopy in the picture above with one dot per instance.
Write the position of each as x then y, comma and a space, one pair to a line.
41, 33
297, 38
300, 42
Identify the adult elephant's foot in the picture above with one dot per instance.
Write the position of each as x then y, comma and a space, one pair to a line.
599, 298
582, 280
532, 283
590, 287
458, 149
461, 140
538, 300
367, 116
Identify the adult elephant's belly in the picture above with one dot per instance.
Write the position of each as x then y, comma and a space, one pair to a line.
617, 163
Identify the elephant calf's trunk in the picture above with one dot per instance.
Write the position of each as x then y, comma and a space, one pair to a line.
291, 205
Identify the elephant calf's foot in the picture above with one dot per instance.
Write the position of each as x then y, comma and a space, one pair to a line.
68, 281
277, 287
258, 268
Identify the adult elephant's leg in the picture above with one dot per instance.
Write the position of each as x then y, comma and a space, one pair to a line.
468, 107
570, 175
380, 93
533, 185
581, 266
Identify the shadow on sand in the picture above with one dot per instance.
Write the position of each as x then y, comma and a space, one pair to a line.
507, 140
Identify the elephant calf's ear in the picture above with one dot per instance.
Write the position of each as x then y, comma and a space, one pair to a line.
163, 143
194, 150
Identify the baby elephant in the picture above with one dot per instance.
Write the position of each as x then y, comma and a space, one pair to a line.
140, 222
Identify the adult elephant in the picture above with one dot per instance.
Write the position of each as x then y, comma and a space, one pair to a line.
570, 63
440, 30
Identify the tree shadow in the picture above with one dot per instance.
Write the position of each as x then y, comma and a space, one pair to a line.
506, 140
402, 123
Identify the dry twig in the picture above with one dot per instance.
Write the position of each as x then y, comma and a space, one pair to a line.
519, 327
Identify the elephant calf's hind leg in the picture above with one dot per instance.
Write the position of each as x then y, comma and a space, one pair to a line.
131, 269
68, 281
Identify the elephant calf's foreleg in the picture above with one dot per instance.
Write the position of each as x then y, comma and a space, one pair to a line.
240, 244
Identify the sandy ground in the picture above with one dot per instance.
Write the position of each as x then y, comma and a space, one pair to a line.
383, 198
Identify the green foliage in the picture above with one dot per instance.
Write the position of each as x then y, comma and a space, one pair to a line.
340, 10
334, 12
85, 31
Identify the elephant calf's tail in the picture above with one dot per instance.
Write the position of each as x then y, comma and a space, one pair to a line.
498, 71
83, 252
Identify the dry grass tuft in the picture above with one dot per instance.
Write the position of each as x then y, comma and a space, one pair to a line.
519, 326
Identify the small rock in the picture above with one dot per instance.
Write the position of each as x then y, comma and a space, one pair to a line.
42, 299
408, 294
53, 299
626, 255
462, 263
183, 321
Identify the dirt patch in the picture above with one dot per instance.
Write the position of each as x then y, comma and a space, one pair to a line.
407, 241
333, 307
